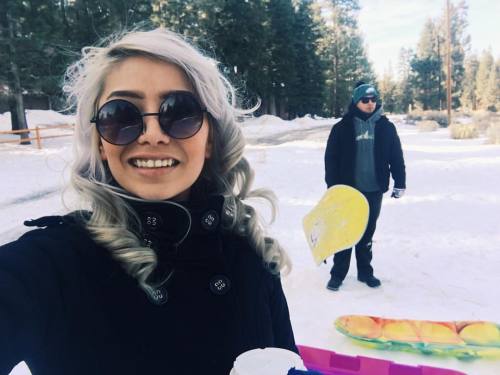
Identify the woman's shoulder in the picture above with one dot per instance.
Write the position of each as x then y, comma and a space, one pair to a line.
49, 234
246, 259
239, 246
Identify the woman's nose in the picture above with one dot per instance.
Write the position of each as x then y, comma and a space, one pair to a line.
152, 132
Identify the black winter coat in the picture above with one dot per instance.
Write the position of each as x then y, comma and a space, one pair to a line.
340, 154
67, 307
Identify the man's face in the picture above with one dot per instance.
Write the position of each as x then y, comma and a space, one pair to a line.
367, 104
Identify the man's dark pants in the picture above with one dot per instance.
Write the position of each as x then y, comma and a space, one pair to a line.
342, 259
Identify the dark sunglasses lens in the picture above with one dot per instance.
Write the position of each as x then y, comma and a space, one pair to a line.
181, 115
119, 122
367, 100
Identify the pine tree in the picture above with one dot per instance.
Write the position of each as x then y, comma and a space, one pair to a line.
90, 21
267, 48
240, 35
388, 90
47, 49
483, 85
48, 34
308, 94
469, 97
11, 54
426, 80
492, 94
430, 60
186, 17
497, 100
404, 89
344, 53
31, 38
460, 45
283, 72
427, 66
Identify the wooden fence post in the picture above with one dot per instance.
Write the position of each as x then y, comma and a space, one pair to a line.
38, 140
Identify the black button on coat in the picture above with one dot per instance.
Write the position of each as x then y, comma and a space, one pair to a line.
67, 307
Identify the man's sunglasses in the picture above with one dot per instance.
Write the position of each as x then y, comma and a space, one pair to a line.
365, 99
120, 122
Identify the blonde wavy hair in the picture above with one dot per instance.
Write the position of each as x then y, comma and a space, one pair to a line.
112, 223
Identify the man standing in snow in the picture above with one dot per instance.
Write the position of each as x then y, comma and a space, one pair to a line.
363, 150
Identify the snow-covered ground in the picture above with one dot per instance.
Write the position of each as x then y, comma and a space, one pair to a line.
437, 250
37, 117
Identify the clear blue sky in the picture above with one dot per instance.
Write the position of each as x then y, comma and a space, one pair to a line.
388, 25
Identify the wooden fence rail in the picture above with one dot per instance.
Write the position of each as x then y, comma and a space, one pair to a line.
38, 137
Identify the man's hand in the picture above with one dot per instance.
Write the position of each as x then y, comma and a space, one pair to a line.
397, 193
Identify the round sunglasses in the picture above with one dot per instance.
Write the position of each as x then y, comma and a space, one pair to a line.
120, 122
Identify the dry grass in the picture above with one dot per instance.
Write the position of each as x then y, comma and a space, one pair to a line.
418, 115
493, 133
413, 116
441, 117
427, 126
463, 131
484, 119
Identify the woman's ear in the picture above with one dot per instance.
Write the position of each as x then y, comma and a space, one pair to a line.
102, 152
208, 149
209, 146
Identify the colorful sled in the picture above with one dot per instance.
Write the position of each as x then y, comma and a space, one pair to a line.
330, 363
337, 222
461, 339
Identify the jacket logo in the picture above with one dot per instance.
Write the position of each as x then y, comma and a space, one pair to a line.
364, 136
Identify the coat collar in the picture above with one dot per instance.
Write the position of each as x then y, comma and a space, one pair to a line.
182, 233
172, 222
372, 117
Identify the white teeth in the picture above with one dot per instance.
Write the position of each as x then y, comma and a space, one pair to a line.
150, 163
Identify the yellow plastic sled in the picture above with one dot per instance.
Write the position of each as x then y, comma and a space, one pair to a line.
337, 222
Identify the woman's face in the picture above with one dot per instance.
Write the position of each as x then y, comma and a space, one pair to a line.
145, 82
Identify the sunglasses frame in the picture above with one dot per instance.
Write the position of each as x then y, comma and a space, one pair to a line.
203, 110
368, 99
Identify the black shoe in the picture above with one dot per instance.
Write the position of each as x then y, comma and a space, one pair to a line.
371, 281
334, 284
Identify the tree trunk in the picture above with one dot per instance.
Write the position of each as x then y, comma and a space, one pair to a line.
272, 105
62, 8
264, 108
13, 113
284, 115
439, 74
336, 104
16, 103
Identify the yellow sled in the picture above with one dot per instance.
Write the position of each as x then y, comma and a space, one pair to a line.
337, 222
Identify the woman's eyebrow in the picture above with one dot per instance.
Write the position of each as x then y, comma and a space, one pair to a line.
164, 94
126, 94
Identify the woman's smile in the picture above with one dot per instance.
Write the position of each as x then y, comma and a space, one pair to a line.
154, 166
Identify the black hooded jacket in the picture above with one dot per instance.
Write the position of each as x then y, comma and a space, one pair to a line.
341, 152
67, 307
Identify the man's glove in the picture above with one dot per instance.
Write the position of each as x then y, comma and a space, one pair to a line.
397, 193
